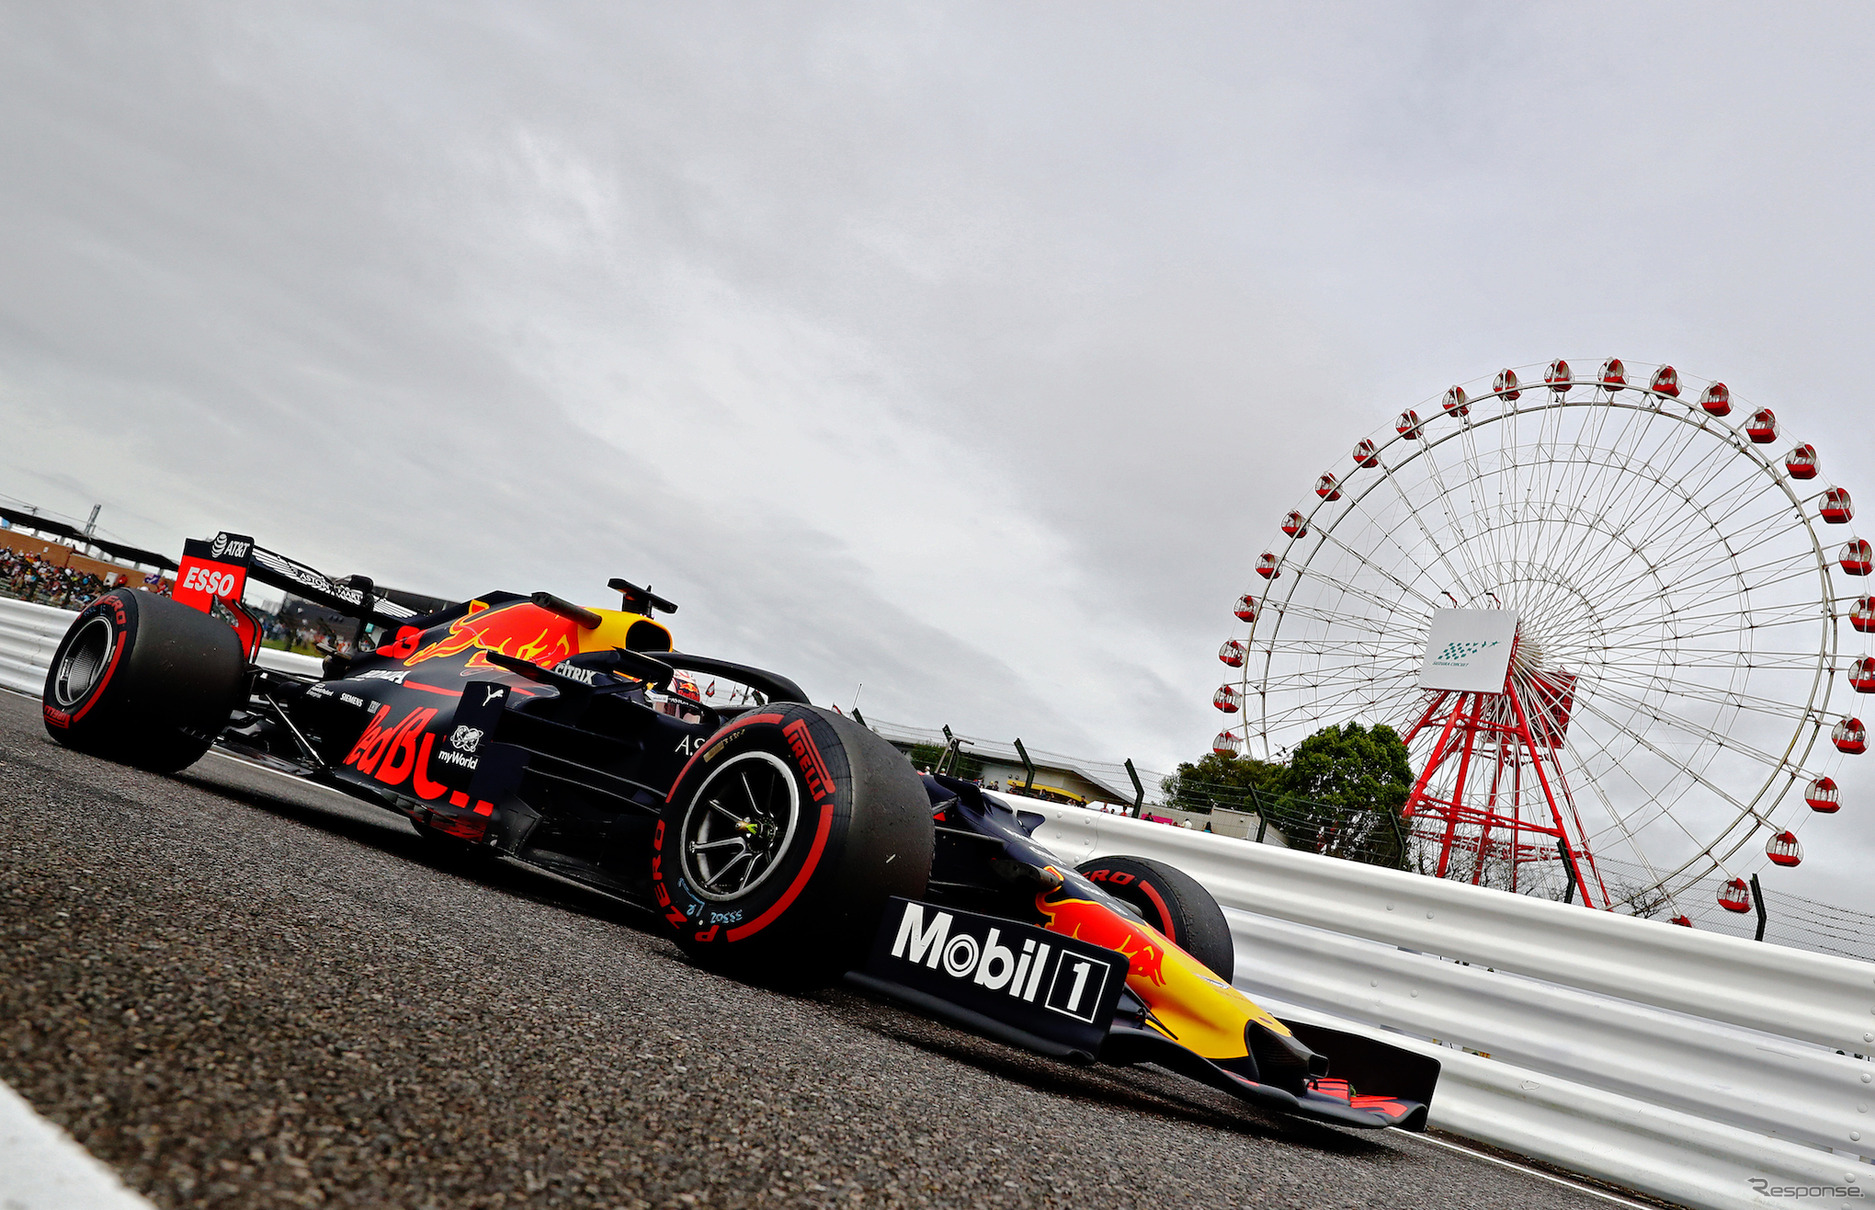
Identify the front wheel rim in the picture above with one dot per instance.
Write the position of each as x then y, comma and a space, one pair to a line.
84, 662
738, 828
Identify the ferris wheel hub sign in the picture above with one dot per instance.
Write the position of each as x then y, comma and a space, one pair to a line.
1468, 650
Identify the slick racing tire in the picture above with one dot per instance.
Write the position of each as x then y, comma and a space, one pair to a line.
782, 840
1171, 901
143, 680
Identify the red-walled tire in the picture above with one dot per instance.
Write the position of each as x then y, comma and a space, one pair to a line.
141, 679
1171, 901
782, 840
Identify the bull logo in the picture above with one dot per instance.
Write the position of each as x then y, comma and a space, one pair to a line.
1102, 926
522, 629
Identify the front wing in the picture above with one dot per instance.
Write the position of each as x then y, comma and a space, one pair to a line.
1072, 998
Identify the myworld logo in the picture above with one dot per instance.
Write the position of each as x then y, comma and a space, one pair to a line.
1067, 983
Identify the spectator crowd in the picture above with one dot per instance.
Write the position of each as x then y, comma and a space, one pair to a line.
27, 576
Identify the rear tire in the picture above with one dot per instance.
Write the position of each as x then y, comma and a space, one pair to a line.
143, 680
782, 840
1171, 901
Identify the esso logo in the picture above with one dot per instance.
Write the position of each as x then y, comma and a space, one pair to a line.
207, 579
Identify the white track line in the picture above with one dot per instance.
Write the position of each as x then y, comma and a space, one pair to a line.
1513, 1165
43, 1168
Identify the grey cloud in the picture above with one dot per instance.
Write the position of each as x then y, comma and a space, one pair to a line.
1067, 304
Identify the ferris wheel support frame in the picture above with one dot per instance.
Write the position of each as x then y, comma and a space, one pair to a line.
1468, 716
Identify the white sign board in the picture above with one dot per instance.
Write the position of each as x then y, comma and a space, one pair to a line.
1468, 650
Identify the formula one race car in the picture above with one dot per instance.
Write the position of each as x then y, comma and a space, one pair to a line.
772, 838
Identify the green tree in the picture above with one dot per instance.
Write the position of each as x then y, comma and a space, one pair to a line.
1342, 792
926, 756
1238, 783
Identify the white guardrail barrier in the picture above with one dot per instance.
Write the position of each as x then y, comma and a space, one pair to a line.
30, 633
1690, 1066
1701, 1069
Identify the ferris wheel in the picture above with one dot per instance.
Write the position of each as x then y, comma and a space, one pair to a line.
1603, 611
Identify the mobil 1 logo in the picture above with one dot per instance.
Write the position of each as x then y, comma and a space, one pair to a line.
1059, 989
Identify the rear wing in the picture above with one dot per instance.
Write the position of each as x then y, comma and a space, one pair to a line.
215, 572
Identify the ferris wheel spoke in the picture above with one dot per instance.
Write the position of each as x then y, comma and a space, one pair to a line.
1593, 459
1795, 612
1644, 503
1789, 566
1586, 470
1705, 782
1642, 684
1384, 573
1707, 504
1694, 486
1443, 496
1353, 692
1361, 623
1479, 519
1720, 740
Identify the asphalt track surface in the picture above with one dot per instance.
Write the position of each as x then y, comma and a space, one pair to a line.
239, 990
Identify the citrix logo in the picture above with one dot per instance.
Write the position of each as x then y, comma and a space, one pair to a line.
986, 963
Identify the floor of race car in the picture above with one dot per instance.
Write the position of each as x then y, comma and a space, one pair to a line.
238, 990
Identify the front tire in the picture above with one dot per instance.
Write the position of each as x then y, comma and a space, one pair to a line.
1171, 901
143, 680
782, 840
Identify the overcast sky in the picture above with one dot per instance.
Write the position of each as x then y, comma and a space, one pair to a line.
969, 352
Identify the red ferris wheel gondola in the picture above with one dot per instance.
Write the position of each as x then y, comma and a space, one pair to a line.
1801, 462
1762, 427
1862, 614
1456, 402
1614, 376
1296, 525
1783, 849
1666, 381
1716, 399
1408, 425
1822, 796
1735, 896
1365, 455
1850, 736
1245, 608
1227, 743
1232, 653
1227, 698
1862, 674
1326, 488
1856, 557
1269, 566
1836, 506
1505, 385
1556, 377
